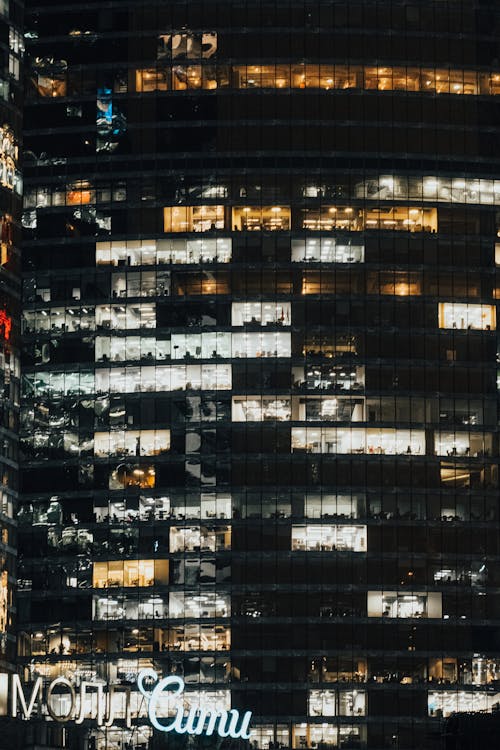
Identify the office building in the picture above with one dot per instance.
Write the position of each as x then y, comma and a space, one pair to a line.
259, 417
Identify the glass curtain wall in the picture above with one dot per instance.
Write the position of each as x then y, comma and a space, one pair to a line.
259, 430
11, 84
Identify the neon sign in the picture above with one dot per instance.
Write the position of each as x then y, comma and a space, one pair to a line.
198, 721
113, 699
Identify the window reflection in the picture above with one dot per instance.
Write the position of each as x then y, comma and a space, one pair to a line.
49, 77
60, 383
187, 45
333, 346
399, 283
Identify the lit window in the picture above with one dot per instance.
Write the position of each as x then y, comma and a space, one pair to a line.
476, 444
261, 313
404, 605
140, 284
205, 377
130, 348
61, 383
179, 49
465, 316
430, 188
193, 218
402, 218
79, 193
206, 604
132, 475
323, 377
125, 317
261, 408
256, 218
131, 443
448, 702
327, 736
129, 573
129, 608
328, 409
327, 250
371, 441
321, 538
200, 539
334, 506
337, 703
153, 79
215, 345
328, 218
199, 637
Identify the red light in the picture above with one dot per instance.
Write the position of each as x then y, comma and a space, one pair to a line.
6, 322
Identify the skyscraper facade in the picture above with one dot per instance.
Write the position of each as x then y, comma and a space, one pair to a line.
259, 417
11, 85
